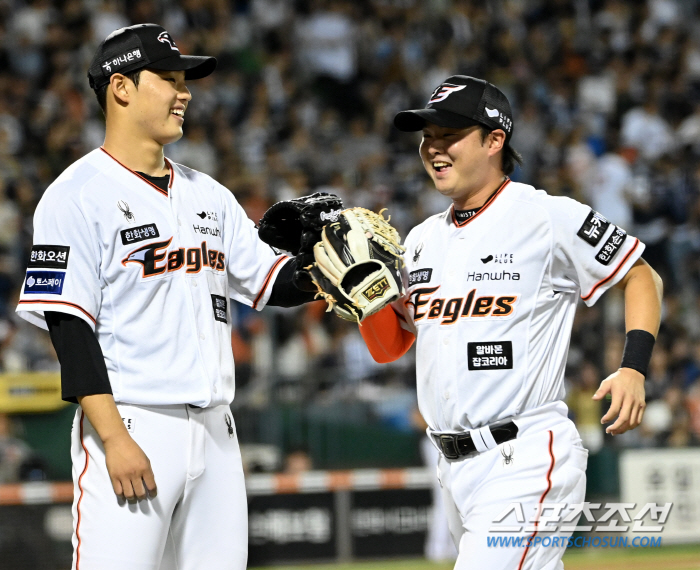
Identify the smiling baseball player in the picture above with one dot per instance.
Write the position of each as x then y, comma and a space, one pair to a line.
492, 289
134, 261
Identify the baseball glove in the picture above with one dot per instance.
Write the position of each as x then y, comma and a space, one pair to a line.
358, 264
295, 226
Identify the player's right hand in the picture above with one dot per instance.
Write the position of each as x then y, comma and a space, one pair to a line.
129, 469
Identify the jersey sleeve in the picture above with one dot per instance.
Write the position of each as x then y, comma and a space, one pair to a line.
590, 254
63, 268
252, 265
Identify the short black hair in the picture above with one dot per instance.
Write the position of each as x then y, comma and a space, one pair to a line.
101, 93
510, 156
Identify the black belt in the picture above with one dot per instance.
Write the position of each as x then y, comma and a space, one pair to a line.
456, 445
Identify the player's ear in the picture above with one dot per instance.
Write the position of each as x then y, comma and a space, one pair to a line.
120, 87
496, 141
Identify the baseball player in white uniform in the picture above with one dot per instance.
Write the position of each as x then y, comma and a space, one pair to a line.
493, 285
134, 263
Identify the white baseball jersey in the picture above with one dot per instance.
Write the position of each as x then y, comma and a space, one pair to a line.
492, 301
151, 272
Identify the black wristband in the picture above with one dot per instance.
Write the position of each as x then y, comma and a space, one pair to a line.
637, 353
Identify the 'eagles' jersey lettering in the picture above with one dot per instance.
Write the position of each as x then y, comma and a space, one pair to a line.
176, 259
436, 308
194, 260
468, 303
418, 301
449, 309
505, 306
482, 307
452, 309
205, 255
150, 256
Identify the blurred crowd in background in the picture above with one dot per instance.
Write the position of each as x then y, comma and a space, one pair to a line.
606, 103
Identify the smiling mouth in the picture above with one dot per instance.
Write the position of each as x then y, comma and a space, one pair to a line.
441, 166
178, 113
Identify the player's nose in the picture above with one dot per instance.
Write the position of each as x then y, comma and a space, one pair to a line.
184, 94
436, 146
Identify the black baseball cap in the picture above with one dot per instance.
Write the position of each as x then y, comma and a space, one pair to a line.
144, 45
459, 102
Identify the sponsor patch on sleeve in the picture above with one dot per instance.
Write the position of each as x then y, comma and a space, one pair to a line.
50, 282
490, 355
219, 304
134, 235
49, 256
611, 246
420, 276
593, 228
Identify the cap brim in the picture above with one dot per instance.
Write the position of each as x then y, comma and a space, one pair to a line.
415, 120
194, 66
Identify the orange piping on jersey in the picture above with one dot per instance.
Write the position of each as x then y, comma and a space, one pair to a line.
481, 210
384, 337
80, 486
267, 280
549, 487
609, 277
44, 301
172, 173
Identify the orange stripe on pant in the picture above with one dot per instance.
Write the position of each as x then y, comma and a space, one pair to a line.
80, 486
549, 487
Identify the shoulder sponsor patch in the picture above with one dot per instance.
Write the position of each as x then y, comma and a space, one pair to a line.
420, 276
49, 256
50, 282
593, 228
490, 355
141, 233
219, 305
611, 246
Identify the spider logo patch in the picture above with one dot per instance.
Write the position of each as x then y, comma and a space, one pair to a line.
507, 452
124, 207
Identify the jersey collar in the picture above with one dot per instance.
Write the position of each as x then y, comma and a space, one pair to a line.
481, 210
170, 166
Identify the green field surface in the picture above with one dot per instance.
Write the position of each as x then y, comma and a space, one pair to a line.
665, 558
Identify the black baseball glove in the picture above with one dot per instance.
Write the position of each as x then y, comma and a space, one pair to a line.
296, 225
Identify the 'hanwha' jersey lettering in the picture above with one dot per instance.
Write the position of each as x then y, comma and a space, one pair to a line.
492, 311
135, 263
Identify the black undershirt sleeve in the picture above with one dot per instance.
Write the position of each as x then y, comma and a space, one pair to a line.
284, 292
83, 368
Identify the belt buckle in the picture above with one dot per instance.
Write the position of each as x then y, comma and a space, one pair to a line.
448, 445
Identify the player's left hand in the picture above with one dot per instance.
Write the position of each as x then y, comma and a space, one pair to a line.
626, 386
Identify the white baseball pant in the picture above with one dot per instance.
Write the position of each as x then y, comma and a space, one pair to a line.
546, 463
199, 517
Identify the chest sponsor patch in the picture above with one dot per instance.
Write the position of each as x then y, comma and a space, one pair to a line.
219, 305
141, 233
50, 282
49, 256
593, 228
490, 355
420, 276
611, 246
